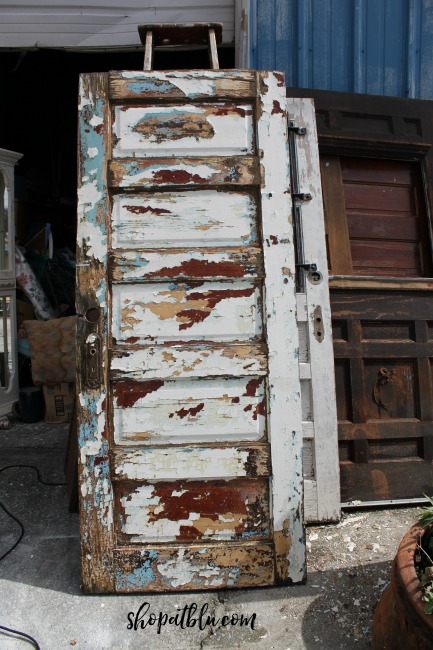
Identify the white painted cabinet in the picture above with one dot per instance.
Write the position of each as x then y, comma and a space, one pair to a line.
8, 344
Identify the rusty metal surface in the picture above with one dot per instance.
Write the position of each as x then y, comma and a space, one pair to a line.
194, 433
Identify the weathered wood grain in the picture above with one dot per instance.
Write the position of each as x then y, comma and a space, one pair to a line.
191, 172
180, 568
193, 85
138, 266
95, 491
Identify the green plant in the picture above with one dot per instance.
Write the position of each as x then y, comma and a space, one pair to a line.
424, 554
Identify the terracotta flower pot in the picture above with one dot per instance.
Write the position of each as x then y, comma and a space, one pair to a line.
399, 621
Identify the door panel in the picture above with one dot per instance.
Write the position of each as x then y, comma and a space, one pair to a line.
384, 383
176, 312
209, 129
206, 217
190, 426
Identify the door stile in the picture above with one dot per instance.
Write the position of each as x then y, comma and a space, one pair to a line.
316, 364
285, 434
96, 494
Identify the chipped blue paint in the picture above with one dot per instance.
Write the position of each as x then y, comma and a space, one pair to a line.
140, 576
152, 86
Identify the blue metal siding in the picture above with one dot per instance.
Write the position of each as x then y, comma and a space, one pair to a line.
380, 47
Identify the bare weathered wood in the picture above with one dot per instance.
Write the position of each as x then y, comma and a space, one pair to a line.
96, 495
335, 214
180, 568
194, 85
136, 266
148, 50
213, 52
406, 478
420, 284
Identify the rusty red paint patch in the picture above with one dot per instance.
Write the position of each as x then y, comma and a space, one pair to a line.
274, 240
238, 507
211, 299
177, 177
235, 400
128, 393
252, 386
194, 316
182, 413
204, 268
276, 108
99, 129
215, 296
260, 409
132, 339
99, 460
280, 78
144, 209
227, 109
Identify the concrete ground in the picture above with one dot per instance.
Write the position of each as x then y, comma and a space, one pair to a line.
348, 569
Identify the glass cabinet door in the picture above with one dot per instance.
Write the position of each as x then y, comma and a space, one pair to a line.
8, 328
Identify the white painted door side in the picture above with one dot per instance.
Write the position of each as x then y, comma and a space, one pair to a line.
316, 358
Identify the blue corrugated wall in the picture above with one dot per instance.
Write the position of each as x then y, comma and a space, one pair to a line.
380, 47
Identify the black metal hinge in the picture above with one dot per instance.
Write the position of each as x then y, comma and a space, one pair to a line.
299, 130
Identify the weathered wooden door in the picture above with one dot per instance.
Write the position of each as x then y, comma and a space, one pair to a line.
377, 180
189, 406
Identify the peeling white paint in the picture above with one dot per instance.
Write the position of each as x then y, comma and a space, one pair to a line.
95, 241
172, 219
183, 571
158, 363
161, 312
232, 134
96, 120
182, 463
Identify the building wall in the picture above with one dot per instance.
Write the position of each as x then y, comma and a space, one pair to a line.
379, 47
88, 24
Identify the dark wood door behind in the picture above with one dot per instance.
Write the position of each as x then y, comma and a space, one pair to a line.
383, 364
377, 181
